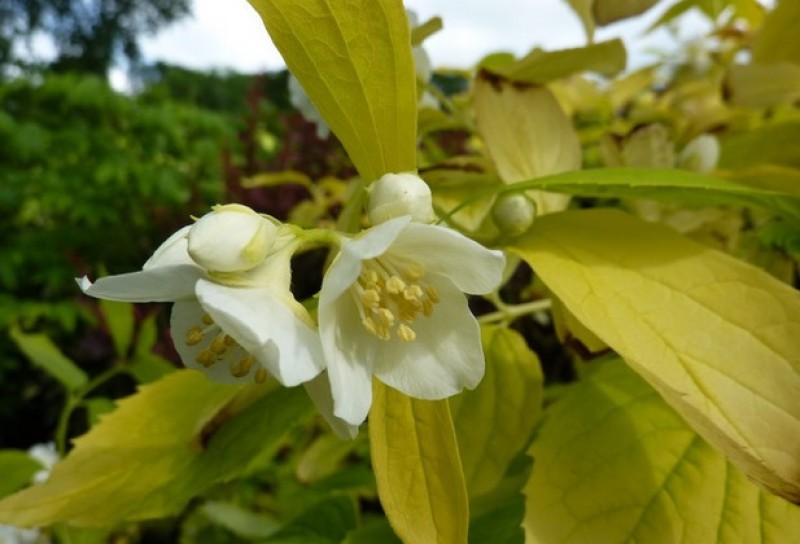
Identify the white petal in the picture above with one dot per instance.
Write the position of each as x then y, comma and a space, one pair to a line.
445, 357
319, 389
470, 266
173, 251
188, 314
349, 351
257, 320
159, 284
376, 240
347, 265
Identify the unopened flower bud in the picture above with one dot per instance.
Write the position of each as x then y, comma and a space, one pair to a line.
700, 154
513, 213
400, 194
232, 238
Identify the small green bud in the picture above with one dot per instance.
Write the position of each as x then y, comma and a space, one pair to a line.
513, 213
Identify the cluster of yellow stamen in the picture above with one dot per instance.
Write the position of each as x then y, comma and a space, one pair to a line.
220, 345
390, 297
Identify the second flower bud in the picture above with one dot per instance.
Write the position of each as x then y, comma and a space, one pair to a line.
395, 195
231, 238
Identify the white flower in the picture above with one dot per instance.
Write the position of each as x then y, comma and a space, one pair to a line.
422, 62
47, 456
701, 154
392, 305
238, 320
17, 535
394, 195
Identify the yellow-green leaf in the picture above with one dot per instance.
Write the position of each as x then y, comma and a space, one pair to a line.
43, 353
417, 467
276, 179
323, 457
157, 450
607, 58
748, 10
714, 335
668, 184
609, 11
425, 30
494, 421
120, 321
759, 85
454, 182
573, 333
593, 13
527, 134
614, 464
648, 147
769, 144
17, 468
583, 9
778, 39
353, 58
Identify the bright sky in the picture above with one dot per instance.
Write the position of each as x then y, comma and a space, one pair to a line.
229, 34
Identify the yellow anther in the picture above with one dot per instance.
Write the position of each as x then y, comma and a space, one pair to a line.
413, 292
390, 298
432, 293
405, 333
241, 368
194, 336
395, 285
412, 302
229, 341
261, 375
218, 345
370, 298
369, 277
384, 317
206, 319
206, 358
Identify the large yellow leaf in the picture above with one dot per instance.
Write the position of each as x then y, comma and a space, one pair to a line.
593, 13
353, 58
613, 464
159, 448
715, 336
609, 11
607, 58
527, 134
417, 468
758, 85
778, 39
495, 420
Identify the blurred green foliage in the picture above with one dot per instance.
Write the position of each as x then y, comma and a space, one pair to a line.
90, 179
89, 172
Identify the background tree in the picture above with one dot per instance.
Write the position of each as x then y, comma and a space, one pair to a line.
89, 35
